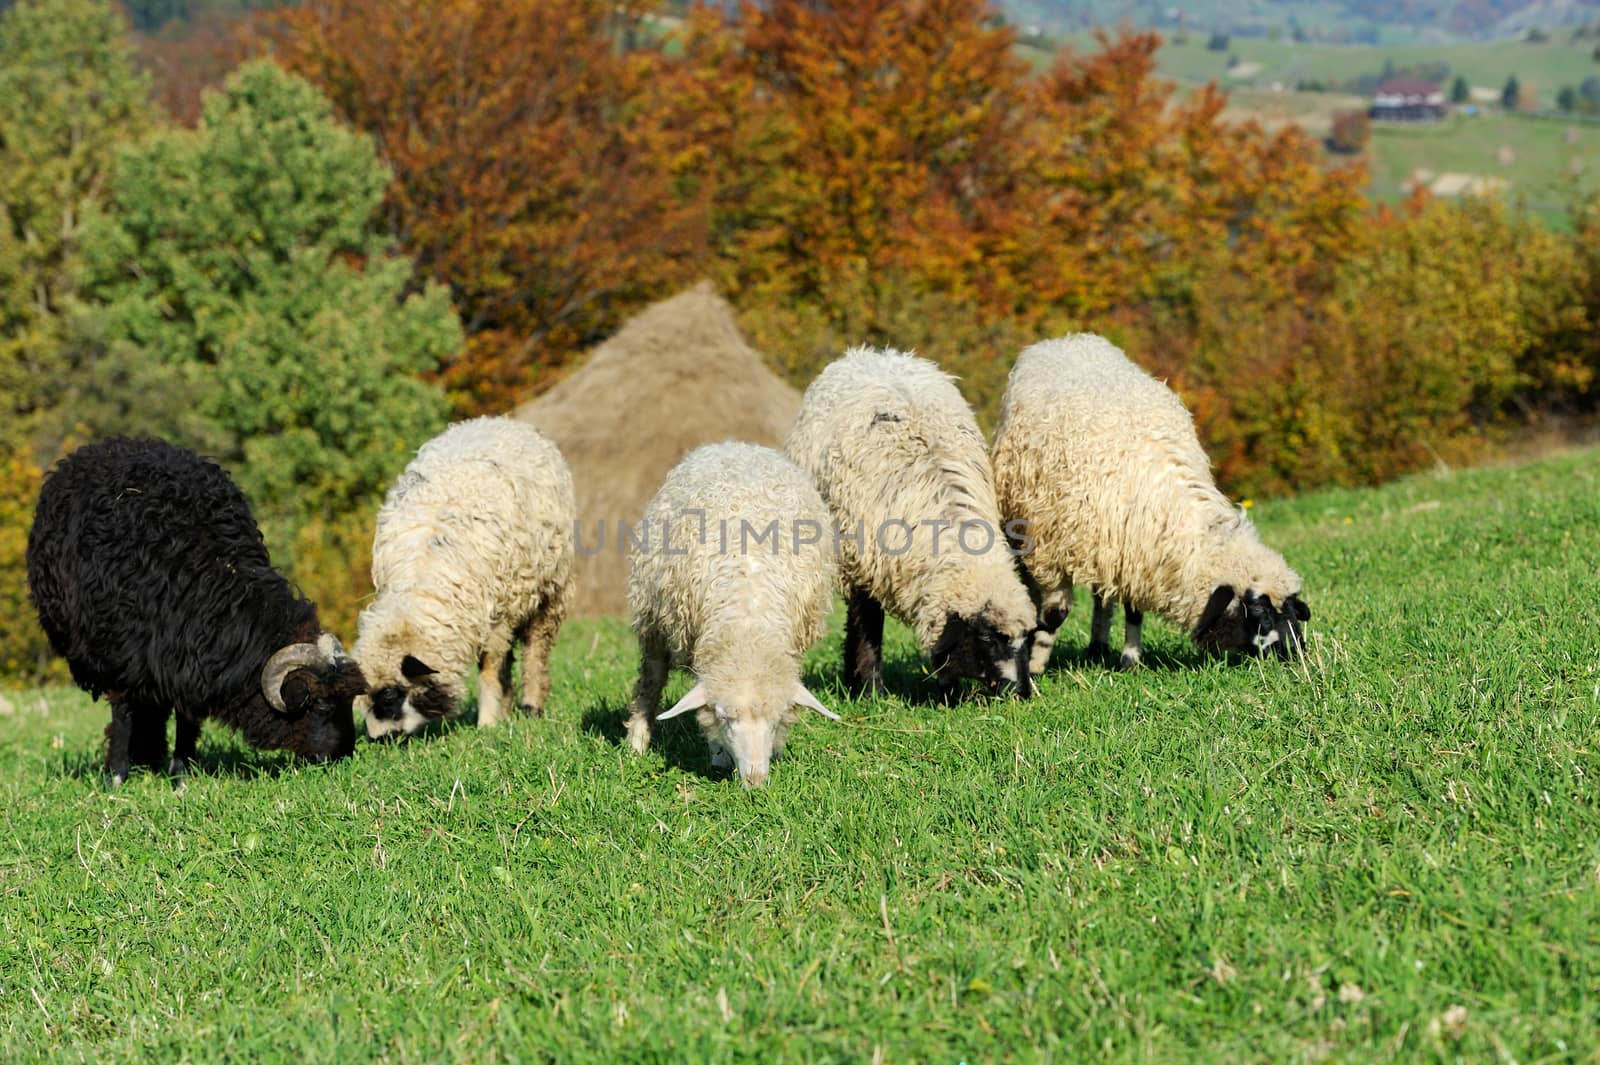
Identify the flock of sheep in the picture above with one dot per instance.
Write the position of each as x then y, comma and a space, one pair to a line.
151, 578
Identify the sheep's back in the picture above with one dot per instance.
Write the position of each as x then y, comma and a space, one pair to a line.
710, 571
483, 514
1103, 464
890, 439
151, 577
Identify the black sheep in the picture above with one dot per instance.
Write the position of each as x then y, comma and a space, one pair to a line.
152, 580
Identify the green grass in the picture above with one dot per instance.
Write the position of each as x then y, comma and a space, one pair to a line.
1540, 171
1390, 853
1543, 164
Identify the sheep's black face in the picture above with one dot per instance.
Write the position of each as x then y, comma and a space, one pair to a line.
1252, 624
401, 709
319, 705
973, 648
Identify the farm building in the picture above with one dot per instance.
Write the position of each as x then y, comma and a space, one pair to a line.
677, 375
1408, 100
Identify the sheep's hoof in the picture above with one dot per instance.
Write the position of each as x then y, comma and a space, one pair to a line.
118, 779
177, 768
529, 710
638, 734
870, 688
1128, 662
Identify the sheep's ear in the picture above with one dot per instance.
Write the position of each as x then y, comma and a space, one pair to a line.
1298, 608
1216, 606
692, 701
413, 668
802, 697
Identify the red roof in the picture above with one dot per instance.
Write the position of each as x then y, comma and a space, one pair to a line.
1407, 87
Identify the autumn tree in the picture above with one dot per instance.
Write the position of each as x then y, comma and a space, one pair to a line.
868, 184
197, 53
540, 169
1147, 191
1350, 131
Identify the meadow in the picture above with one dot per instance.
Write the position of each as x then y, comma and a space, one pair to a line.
1486, 64
1539, 160
1539, 171
1388, 851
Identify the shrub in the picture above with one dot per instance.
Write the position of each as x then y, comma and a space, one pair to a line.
1350, 132
24, 651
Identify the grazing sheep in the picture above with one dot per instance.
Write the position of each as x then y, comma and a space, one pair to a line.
1100, 464
151, 579
898, 457
736, 588
472, 556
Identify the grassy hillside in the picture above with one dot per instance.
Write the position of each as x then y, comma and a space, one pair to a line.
1545, 67
1536, 157
1392, 851
1263, 62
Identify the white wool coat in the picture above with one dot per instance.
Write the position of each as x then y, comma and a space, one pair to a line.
1102, 463
735, 605
892, 443
474, 537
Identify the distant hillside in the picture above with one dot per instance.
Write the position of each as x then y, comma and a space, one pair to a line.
148, 16
1355, 21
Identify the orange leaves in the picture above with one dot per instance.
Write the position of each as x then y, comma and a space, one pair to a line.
536, 164
891, 122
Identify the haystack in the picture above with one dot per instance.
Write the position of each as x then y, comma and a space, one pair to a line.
676, 376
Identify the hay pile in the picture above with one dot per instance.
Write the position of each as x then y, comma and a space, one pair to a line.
676, 376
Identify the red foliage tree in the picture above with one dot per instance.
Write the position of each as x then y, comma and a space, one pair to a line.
188, 57
882, 137
541, 169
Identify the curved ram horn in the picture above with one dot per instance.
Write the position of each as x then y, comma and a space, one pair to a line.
288, 659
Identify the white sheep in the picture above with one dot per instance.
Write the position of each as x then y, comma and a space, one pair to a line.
472, 556
736, 586
899, 458
1100, 464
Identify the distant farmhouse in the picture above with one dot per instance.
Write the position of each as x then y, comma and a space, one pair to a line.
1408, 100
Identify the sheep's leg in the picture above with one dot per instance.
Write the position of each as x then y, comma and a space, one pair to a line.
1100, 628
863, 645
119, 735
149, 742
137, 734
188, 733
537, 636
494, 677
654, 663
1132, 642
1053, 609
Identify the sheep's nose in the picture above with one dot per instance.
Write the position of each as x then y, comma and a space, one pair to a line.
754, 778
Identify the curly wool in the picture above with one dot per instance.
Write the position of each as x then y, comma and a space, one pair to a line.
723, 598
890, 439
152, 580
474, 542
1103, 464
